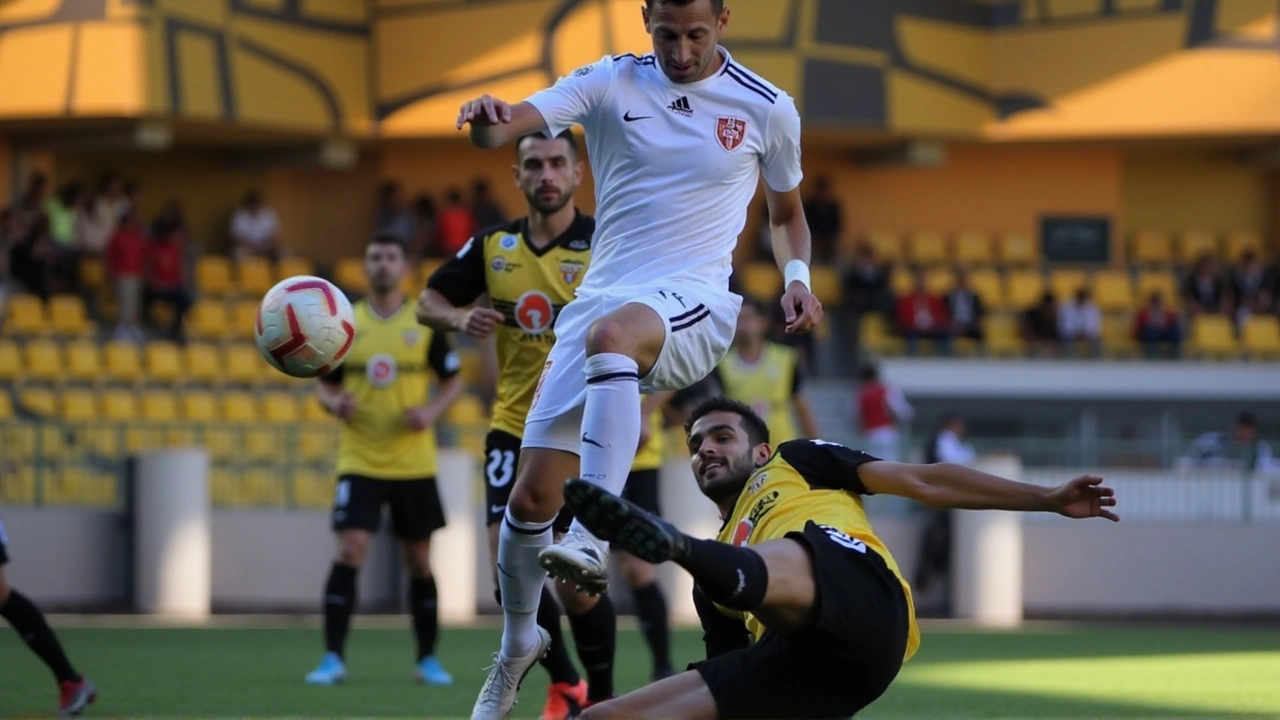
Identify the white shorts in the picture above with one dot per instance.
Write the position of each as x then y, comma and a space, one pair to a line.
700, 322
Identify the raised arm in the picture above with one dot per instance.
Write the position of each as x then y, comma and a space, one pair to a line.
788, 229
494, 123
572, 100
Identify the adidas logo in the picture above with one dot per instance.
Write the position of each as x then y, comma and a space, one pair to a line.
681, 106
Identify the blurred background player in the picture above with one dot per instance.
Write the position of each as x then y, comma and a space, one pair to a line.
75, 691
387, 454
765, 375
945, 445
879, 408
529, 268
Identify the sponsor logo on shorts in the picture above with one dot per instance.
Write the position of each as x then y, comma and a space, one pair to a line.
842, 539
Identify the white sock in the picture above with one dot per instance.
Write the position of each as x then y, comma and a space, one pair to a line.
520, 576
610, 421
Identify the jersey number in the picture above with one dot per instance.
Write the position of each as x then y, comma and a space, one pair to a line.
501, 467
840, 538
342, 493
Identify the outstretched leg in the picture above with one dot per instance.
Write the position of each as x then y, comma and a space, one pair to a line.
680, 697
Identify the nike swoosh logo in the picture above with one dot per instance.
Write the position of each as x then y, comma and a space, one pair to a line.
504, 572
589, 441
495, 509
629, 118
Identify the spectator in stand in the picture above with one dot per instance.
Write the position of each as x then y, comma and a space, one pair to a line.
131, 202
1204, 290
125, 257
165, 268
8, 241
947, 445
113, 197
1080, 320
965, 309
923, 316
95, 222
424, 242
878, 409
391, 218
1241, 448
35, 261
255, 229
485, 210
822, 210
1251, 289
1040, 327
866, 290
61, 210
31, 207
455, 225
1157, 325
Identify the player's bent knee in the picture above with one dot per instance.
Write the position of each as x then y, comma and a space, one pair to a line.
536, 501
610, 335
352, 548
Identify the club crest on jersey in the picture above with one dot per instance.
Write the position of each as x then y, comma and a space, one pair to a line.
730, 132
411, 337
508, 242
533, 312
569, 271
758, 483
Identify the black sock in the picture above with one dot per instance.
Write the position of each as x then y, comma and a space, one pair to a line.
735, 577
595, 634
26, 618
339, 603
651, 609
426, 614
556, 661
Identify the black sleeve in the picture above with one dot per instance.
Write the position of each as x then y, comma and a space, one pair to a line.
827, 465
720, 633
334, 376
441, 358
461, 279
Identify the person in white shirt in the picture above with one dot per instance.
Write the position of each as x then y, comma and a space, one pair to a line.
256, 229
678, 141
946, 446
1080, 320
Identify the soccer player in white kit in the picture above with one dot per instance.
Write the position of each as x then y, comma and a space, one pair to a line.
678, 140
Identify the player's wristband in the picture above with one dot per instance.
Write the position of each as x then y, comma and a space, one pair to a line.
796, 270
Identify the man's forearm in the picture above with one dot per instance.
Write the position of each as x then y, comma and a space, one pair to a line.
436, 312
946, 485
791, 241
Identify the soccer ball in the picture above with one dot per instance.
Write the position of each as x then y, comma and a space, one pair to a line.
305, 326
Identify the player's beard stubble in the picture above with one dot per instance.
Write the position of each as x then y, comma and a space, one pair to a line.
725, 482
548, 199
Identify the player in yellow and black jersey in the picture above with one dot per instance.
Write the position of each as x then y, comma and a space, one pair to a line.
387, 453
805, 612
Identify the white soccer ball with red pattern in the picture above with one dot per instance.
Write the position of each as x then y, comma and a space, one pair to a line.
305, 326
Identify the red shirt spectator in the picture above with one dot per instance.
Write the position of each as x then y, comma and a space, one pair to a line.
166, 264
455, 224
125, 251
923, 313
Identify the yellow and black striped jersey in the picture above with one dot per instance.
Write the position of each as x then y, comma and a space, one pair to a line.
528, 286
768, 385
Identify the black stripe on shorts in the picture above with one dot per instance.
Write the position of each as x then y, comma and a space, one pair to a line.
690, 323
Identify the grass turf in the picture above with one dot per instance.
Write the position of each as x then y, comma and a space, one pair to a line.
1064, 672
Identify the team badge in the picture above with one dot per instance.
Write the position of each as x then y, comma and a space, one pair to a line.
411, 337
742, 533
497, 264
758, 483
381, 370
508, 242
569, 271
534, 312
583, 71
730, 132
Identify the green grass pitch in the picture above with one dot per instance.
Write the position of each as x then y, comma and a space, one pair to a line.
1066, 671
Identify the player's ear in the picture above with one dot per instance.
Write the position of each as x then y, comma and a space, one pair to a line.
722, 22
515, 174
760, 454
644, 13
578, 170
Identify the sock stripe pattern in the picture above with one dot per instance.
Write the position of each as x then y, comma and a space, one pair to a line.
525, 529
610, 422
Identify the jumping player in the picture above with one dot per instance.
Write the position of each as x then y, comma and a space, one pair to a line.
678, 140
805, 612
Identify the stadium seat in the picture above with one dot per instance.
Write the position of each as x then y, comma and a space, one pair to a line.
939, 280
986, 284
254, 276
292, 267
264, 488
1213, 336
239, 407
467, 411
1239, 242
885, 246
38, 401
826, 285
1194, 244
208, 320
1024, 288
1260, 337
348, 274
244, 365
928, 248
1003, 337
6, 406
43, 361
876, 335
973, 247
280, 407
317, 444
312, 490
25, 316
244, 318
123, 362
1017, 250
199, 406
760, 280
159, 406
10, 361
901, 280
1151, 247
1064, 283
163, 362
68, 317
120, 405
84, 361
78, 404
203, 363
1117, 335
213, 276
93, 274
1157, 281
1113, 290
313, 411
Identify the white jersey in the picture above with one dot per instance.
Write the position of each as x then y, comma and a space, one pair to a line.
675, 165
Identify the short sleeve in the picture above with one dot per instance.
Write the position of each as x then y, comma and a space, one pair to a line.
441, 357
575, 96
826, 464
781, 159
461, 279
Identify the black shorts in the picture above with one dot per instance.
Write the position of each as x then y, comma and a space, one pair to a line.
501, 458
642, 489
839, 664
416, 510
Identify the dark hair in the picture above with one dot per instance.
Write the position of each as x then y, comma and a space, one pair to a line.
565, 135
757, 429
453, 196
383, 237
1247, 419
869, 373
756, 304
716, 5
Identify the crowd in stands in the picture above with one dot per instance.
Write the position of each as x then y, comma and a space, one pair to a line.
431, 230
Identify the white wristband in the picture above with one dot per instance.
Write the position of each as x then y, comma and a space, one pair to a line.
796, 270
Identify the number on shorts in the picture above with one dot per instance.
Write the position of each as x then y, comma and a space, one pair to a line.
501, 467
342, 493
840, 538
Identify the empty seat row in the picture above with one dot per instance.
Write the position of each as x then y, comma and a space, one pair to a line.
348, 274
1156, 247
219, 276
63, 315
85, 361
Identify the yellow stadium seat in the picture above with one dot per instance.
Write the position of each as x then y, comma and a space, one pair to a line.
1003, 336
877, 335
119, 405
986, 284
254, 276
1151, 247
973, 247
159, 406
163, 362
1239, 242
1025, 288
208, 320
928, 248
317, 444
78, 404
244, 318
466, 411
902, 280
411, 285
244, 364
1261, 336
123, 362
239, 407
471, 367
348, 274
1194, 244
10, 361
280, 407
224, 486
312, 490
312, 410
199, 406
760, 280
265, 488
84, 361
43, 361
1017, 250
939, 280
25, 316
67, 316
1156, 281
203, 363
6, 406
1213, 336
93, 274
19, 487
38, 401
1065, 283
294, 266
1117, 335
826, 285
213, 276
885, 246
429, 266
1113, 290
